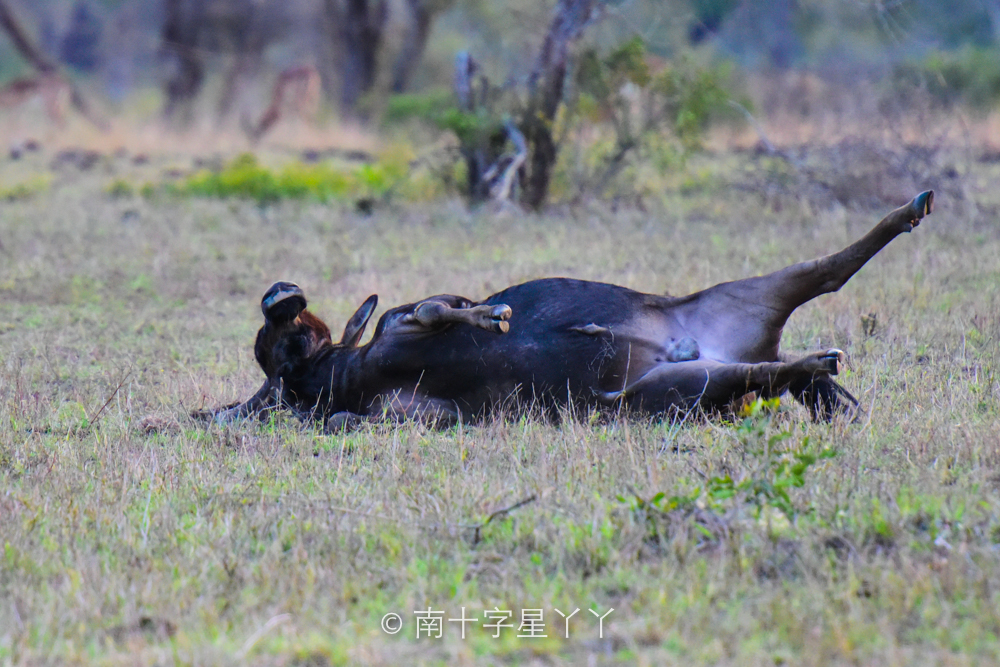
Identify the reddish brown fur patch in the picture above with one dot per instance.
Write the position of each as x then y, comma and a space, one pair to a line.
320, 332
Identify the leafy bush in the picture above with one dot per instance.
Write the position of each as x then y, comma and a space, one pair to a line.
424, 106
120, 188
661, 115
617, 93
681, 99
438, 109
693, 97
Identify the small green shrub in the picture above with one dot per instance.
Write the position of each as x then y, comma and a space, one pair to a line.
25, 190
658, 118
693, 96
423, 106
246, 178
472, 129
120, 188
682, 99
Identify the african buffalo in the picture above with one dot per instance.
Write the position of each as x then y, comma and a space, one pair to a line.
558, 342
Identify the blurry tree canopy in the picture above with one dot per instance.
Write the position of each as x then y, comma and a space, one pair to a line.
345, 39
222, 56
799, 32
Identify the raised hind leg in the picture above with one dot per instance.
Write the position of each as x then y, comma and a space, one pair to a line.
260, 405
712, 385
741, 321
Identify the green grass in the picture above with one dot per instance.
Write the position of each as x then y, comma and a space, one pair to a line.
272, 544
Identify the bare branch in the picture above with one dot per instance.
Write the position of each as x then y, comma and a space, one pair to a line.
476, 538
513, 163
22, 42
97, 415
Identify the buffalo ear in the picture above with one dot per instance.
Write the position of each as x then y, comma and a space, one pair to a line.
356, 325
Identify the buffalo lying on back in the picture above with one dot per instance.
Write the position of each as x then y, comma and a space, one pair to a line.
557, 343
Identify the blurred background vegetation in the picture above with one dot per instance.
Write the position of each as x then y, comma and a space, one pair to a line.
507, 100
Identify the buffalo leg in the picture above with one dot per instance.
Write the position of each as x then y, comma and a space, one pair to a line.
432, 412
406, 404
433, 314
711, 384
741, 321
260, 405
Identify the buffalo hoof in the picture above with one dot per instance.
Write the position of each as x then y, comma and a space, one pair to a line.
833, 360
499, 315
922, 205
828, 362
283, 301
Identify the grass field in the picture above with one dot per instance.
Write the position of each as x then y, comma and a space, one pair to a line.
274, 544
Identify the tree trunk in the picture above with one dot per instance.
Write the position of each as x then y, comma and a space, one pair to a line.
544, 153
179, 42
247, 41
545, 94
358, 26
490, 170
22, 42
473, 153
492, 173
413, 46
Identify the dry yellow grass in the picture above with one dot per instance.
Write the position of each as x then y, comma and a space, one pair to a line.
272, 544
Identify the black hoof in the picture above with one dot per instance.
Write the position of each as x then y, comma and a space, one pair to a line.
501, 312
834, 359
499, 315
923, 204
283, 301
